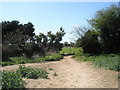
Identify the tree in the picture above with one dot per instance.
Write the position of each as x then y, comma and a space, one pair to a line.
13, 32
66, 44
50, 43
57, 45
78, 42
14, 36
88, 40
107, 21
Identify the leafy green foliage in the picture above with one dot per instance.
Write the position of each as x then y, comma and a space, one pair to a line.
12, 80
107, 21
32, 73
107, 61
15, 35
23, 60
88, 39
90, 42
29, 49
20, 39
50, 42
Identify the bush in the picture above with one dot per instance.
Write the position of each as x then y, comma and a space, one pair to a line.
90, 42
29, 49
32, 73
12, 80
5, 53
10, 51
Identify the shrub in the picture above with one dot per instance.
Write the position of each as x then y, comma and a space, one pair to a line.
29, 49
37, 73
32, 73
90, 42
12, 80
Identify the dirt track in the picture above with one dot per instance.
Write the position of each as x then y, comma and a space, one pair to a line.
71, 74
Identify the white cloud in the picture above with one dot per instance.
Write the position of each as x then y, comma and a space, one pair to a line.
75, 25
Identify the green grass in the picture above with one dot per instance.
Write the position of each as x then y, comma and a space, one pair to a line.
107, 61
70, 50
23, 60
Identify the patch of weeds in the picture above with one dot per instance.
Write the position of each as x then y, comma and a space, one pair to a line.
32, 73
12, 80
51, 69
55, 74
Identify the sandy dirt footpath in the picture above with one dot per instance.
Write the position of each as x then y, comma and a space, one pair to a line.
71, 74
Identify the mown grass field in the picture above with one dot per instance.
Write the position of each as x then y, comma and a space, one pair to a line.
107, 61
70, 50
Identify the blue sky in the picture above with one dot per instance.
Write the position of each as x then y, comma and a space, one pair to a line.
50, 16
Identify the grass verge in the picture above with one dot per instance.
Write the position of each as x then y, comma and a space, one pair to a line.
23, 60
107, 61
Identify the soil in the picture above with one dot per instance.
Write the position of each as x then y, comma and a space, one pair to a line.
70, 73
